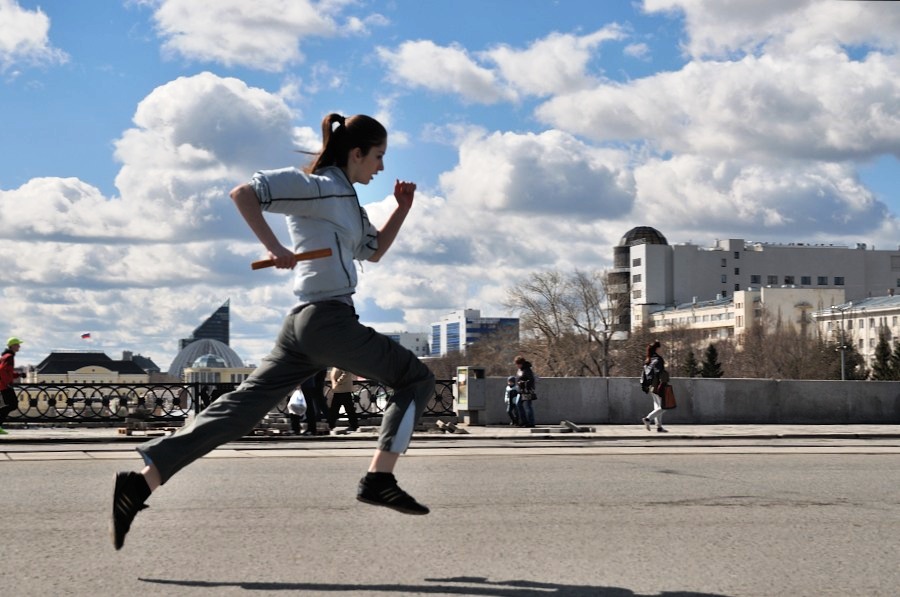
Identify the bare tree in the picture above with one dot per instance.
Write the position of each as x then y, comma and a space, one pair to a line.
495, 352
566, 322
537, 300
630, 351
751, 360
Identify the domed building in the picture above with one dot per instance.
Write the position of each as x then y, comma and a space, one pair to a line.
208, 354
642, 235
619, 278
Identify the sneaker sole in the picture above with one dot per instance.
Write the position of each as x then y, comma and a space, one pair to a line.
112, 517
392, 507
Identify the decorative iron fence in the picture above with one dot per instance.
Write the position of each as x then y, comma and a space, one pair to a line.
168, 402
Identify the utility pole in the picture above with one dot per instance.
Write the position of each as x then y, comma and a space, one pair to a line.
843, 347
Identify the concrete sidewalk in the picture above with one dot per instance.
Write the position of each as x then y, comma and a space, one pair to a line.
35, 434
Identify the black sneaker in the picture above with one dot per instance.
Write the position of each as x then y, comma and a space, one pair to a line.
646, 423
661, 430
128, 499
386, 492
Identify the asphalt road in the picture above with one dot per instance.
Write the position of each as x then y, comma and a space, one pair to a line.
566, 519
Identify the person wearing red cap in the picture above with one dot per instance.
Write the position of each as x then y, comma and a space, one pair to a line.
8, 375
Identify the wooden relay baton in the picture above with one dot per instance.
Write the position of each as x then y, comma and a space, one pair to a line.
317, 254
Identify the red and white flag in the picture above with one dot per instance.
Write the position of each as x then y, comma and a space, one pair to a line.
86, 336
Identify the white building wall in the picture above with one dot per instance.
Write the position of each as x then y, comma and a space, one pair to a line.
862, 322
469, 325
677, 274
734, 316
651, 275
417, 342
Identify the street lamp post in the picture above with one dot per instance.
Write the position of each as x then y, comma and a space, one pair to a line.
843, 347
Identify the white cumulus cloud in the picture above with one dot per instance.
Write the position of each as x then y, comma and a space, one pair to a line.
425, 65
24, 38
264, 34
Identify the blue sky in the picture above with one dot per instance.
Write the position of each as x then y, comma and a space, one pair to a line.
539, 132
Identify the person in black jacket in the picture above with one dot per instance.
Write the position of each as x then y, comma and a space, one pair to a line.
525, 382
654, 378
316, 407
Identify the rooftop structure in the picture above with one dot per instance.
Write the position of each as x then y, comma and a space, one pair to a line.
216, 327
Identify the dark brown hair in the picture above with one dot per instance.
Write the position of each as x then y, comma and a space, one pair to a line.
341, 135
651, 350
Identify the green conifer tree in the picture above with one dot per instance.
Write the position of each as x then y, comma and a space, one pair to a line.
895, 360
711, 366
691, 367
881, 365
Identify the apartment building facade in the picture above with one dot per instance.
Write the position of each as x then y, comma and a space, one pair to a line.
459, 329
650, 275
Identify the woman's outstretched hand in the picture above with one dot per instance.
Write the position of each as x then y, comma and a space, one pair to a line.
404, 192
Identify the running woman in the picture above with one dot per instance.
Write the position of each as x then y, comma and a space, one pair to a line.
322, 211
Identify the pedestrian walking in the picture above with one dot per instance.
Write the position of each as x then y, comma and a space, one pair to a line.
511, 399
654, 379
525, 382
8, 375
342, 397
316, 406
322, 211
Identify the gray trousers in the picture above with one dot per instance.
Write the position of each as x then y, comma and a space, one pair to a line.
314, 337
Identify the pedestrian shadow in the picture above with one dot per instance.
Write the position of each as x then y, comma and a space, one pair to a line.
460, 585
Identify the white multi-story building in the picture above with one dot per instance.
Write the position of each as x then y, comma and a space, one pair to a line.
650, 275
458, 329
861, 323
730, 317
417, 342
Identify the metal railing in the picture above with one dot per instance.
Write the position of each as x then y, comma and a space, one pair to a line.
170, 402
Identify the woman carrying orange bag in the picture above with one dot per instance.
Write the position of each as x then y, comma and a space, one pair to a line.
655, 381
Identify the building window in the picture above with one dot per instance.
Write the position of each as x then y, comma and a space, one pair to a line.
737, 271
894, 320
724, 293
737, 287
871, 342
755, 279
771, 279
871, 323
861, 344
724, 262
635, 278
789, 279
724, 278
737, 255
849, 324
453, 337
839, 280
636, 294
822, 280
806, 280
862, 324
635, 262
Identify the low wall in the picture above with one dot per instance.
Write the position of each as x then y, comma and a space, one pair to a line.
620, 401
